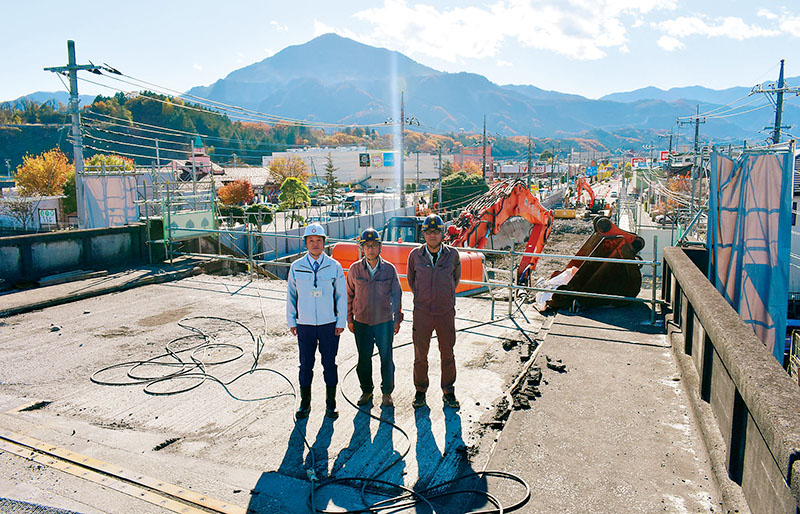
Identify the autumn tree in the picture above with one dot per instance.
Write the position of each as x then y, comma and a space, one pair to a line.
44, 174
283, 168
469, 167
237, 192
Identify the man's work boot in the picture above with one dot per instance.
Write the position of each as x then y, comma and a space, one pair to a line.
305, 403
449, 400
366, 397
330, 402
419, 400
387, 401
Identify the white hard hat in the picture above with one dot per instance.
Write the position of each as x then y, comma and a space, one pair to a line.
314, 229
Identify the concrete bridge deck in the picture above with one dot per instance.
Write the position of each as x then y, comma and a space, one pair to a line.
612, 433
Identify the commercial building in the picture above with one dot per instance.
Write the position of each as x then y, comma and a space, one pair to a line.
367, 168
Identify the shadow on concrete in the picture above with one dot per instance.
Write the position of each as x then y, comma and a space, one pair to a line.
439, 471
633, 318
287, 489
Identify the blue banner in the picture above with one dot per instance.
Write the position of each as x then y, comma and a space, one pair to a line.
749, 227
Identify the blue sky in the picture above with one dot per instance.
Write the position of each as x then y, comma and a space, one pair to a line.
587, 47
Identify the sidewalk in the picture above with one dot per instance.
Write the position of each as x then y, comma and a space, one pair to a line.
614, 432
26, 300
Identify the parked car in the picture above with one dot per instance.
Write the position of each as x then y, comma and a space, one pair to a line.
389, 190
341, 213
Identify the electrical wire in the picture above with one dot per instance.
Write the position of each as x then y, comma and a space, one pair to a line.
197, 370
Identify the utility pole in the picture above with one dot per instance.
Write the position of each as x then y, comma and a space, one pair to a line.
71, 69
440, 179
779, 91
417, 188
402, 151
483, 166
529, 161
402, 122
697, 162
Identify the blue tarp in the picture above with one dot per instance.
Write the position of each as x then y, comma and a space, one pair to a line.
749, 229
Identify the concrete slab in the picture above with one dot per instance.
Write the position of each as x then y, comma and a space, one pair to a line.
246, 452
613, 433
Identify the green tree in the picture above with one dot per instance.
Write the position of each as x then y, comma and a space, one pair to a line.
459, 189
545, 156
109, 161
330, 186
70, 203
447, 168
294, 194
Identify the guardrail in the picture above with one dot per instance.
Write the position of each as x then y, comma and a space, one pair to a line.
751, 406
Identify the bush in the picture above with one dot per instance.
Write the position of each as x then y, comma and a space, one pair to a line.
259, 214
230, 210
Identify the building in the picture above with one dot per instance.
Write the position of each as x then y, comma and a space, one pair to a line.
365, 168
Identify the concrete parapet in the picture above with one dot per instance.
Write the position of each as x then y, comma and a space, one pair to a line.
33, 256
755, 403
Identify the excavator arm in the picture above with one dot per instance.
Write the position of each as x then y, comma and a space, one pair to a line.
583, 185
487, 214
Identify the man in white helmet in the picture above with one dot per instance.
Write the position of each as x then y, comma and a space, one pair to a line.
316, 311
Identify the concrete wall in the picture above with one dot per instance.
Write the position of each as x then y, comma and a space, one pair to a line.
753, 405
33, 256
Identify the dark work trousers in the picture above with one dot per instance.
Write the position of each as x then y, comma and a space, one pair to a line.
367, 338
308, 336
423, 327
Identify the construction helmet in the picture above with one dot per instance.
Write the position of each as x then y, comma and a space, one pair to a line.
368, 235
433, 222
314, 229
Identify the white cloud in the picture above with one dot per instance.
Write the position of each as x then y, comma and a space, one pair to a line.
730, 27
269, 51
669, 43
791, 25
504, 64
278, 26
579, 29
766, 13
198, 67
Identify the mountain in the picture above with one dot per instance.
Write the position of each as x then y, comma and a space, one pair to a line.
698, 93
338, 80
48, 96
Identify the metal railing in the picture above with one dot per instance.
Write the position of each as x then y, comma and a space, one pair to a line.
256, 259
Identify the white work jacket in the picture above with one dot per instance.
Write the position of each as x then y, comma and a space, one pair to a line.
304, 306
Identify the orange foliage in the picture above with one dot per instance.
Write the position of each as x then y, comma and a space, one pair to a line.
469, 167
237, 192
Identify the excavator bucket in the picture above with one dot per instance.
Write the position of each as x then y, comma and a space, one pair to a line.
613, 278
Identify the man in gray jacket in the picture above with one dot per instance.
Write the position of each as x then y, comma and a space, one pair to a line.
316, 311
374, 303
433, 273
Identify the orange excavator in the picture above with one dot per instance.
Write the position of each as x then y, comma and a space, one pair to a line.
595, 205
487, 214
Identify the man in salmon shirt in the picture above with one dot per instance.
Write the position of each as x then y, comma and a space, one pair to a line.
374, 302
433, 272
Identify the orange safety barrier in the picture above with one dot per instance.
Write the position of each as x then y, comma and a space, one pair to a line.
471, 262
